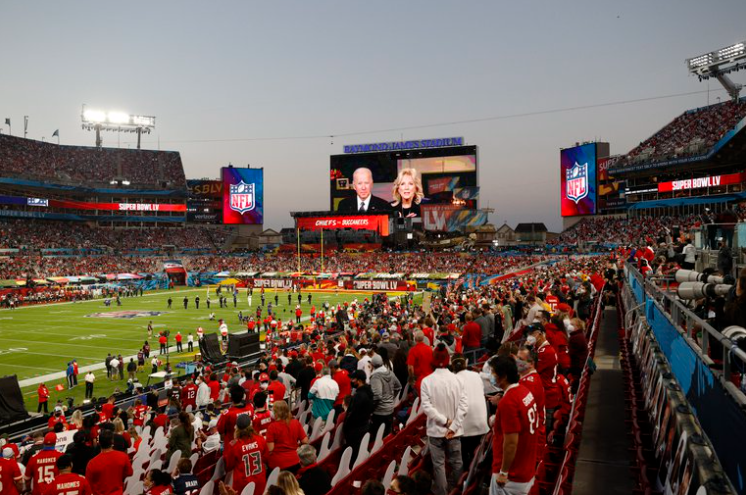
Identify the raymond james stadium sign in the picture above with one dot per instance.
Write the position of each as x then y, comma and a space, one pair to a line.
404, 145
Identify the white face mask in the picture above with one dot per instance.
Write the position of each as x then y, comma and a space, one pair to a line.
264, 385
530, 340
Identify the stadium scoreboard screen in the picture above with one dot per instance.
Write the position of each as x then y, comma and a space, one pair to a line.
441, 176
578, 181
243, 196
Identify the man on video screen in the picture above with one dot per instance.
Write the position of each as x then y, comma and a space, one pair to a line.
364, 201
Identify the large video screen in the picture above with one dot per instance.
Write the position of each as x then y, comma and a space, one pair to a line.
243, 196
578, 180
402, 182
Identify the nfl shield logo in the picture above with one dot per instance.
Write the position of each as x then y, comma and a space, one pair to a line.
576, 185
242, 197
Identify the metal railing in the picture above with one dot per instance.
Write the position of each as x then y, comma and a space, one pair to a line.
698, 333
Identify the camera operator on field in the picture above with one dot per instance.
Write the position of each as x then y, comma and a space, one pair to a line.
735, 306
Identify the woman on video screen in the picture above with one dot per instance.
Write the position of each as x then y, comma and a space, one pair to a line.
408, 193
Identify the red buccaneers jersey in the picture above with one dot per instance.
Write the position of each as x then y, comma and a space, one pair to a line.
261, 422
518, 413
138, 415
547, 369
227, 420
189, 395
248, 458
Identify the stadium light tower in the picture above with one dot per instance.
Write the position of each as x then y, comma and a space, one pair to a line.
97, 120
718, 64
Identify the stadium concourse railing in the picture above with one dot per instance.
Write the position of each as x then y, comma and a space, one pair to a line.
701, 361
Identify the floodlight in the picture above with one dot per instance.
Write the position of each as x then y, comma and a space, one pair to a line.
718, 64
125, 183
94, 116
118, 118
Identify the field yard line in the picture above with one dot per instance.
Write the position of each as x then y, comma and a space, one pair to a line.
52, 343
30, 367
56, 355
101, 301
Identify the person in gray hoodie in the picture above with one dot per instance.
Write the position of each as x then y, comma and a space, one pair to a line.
386, 388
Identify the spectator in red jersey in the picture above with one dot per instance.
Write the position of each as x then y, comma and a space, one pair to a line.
419, 360
57, 417
247, 456
139, 413
42, 467
107, 471
343, 382
515, 428
284, 435
471, 338
11, 478
275, 389
214, 385
189, 394
43, 393
547, 368
67, 482
526, 364
239, 407
262, 414
107, 410
557, 337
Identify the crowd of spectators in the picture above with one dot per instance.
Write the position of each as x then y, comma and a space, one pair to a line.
641, 230
79, 165
49, 234
512, 351
692, 133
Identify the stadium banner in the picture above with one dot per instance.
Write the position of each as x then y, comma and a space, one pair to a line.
451, 218
87, 205
603, 166
243, 196
578, 180
205, 189
701, 182
84, 205
385, 178
382, 285
379, 223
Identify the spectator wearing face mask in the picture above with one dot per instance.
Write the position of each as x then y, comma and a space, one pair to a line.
227, 422
323, 393
475, 422
546, 366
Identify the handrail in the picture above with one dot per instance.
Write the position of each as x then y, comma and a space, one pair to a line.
686, 322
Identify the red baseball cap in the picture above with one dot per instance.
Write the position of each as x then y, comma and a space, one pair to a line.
50, 438
264, 377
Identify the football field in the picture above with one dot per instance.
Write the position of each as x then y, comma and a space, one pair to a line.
36, 341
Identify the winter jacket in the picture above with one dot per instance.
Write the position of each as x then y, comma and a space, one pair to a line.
386, 388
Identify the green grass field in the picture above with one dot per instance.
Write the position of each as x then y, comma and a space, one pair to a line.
39, 340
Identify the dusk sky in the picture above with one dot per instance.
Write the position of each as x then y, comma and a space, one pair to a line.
267, 83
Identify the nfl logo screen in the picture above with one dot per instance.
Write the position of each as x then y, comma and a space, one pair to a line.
577, 182
242, 197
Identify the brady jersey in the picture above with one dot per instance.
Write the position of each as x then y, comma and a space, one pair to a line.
189, 395
261, 422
